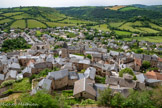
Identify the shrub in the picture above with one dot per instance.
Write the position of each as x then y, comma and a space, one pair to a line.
7, 83
9, 91
105, 97
145, 65
126, 70
87, 101
89, 56
42, 99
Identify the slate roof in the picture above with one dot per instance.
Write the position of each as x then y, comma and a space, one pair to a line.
58, 74
45, 84
27, 70
141, 78
14, 66
11, 74
84, 85
138, 56
90, 73
147, 57
1, 77
114, 53
73, 75
84, 61
81, 75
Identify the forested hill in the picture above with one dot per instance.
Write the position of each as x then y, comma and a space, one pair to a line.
111, 13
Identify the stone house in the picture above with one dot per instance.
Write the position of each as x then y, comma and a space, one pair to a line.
11, 75
27, 72
1, 67
138, 61
154, 61
84, 88
96, 57
90, 73
14, 66
44, 84
81, 64
64, 53
159, 65
59, 79
73, 76
2, 78
40, 46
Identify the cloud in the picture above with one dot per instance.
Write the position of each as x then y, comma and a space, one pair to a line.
66, 3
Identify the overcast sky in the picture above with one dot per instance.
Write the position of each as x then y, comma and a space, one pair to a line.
67, 3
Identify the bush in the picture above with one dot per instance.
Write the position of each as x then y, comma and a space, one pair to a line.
44, 100
87, 102
7, 83
99, 79
89, 56
105, 97
126, 70
9, 91
145, 65
14, 44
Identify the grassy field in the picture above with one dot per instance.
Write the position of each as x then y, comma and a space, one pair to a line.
155, 26
115, 24
13, 13
75, 21
115, 7
156, 39
147, 30
5, 21
128, 8
19, 24
35, 24
53, 24
129, 26
122, 32
102, 27
25, 15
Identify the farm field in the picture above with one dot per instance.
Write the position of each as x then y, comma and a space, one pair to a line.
122, 32
102, 27
115, 24
19, 24
35, 24
128, 8
156, 39
116, 7
53, 24
13, 13
147, 30
5, 21
137, 27
75, 21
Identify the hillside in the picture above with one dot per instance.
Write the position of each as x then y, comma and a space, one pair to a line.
111, 13
33, 17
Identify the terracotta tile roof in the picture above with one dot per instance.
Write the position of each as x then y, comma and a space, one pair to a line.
30, 61
153, 75
160, 59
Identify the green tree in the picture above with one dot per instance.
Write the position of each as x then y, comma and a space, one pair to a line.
14, 44
89, 56
126, 70
145, 65
105, 97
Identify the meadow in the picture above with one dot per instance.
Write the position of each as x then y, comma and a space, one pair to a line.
19, 24
102, 27
35, 24
155, 39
